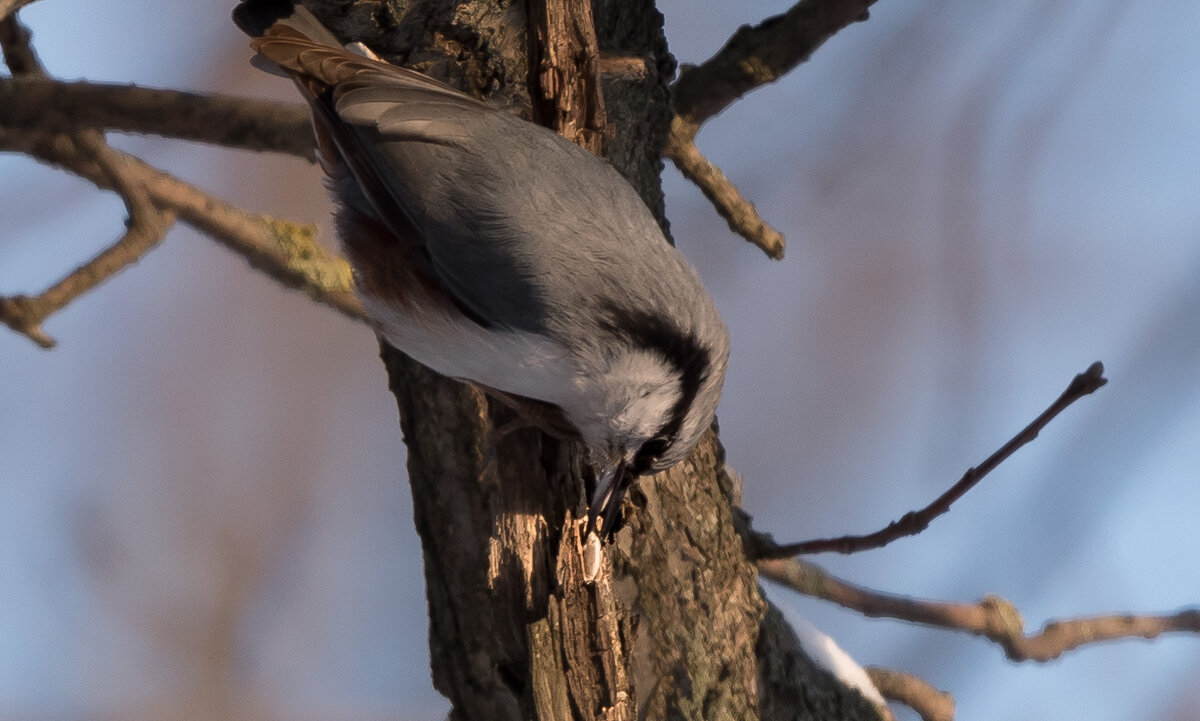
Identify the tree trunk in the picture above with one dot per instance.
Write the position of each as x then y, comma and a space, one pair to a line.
675, 627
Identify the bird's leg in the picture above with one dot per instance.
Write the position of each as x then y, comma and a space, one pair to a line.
519, 423
530, 414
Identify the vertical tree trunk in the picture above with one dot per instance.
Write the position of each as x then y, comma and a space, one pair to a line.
676, 626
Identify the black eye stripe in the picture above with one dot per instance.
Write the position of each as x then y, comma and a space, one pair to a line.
682, 350
649, 454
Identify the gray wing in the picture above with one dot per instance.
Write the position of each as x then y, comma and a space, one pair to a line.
524, 228
508, 211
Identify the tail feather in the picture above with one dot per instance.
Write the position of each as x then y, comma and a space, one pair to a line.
293, 51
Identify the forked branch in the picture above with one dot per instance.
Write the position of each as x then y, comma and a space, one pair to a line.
154, 199
145, 228
754, 56
994, 618
287, 252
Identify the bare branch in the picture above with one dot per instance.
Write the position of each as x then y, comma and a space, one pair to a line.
146, 227
754, 56
285, 251
914, 522
33, 111
46, 104
994, 618
930, 703
759, 55
15, 38
740, 213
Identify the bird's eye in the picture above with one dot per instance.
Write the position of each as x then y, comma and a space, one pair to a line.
649, 454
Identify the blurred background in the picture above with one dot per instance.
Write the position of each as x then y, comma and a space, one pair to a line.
203, 509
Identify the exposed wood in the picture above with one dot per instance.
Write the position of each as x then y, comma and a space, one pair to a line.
565, 64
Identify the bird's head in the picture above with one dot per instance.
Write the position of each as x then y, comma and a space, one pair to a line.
651, 403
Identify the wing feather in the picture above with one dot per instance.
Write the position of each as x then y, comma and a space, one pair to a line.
496, 199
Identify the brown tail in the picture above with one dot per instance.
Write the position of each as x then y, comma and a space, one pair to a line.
291, 42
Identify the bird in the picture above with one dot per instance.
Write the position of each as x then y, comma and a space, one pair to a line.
494, 251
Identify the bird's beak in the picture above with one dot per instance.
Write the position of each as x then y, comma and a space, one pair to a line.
611, 483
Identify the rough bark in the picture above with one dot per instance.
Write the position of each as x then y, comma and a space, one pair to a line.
674, 628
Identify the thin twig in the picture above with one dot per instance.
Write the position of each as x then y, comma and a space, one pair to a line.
146, 227
48, 104
33, 113
739, 213
753, 56
760, 54
994, 618
914, 522
285, 251
930, 703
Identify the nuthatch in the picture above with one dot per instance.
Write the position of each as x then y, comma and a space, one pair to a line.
492, 250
